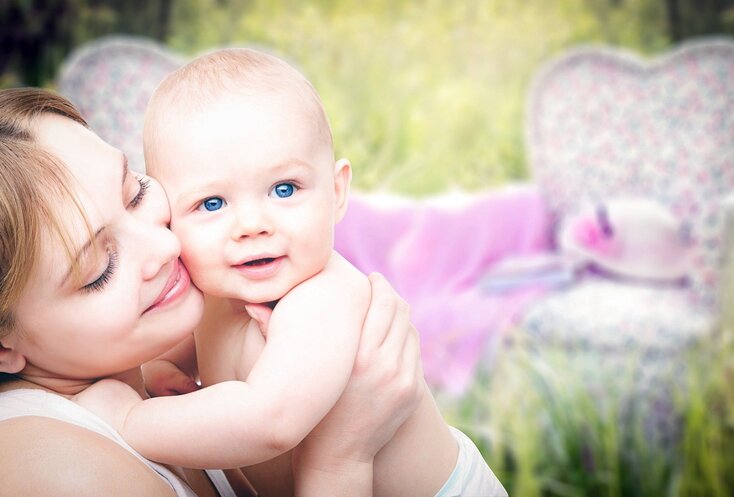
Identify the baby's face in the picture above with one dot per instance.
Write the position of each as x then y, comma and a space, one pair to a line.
254, 194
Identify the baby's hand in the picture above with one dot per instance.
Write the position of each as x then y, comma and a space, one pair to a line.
162, 377
261, 314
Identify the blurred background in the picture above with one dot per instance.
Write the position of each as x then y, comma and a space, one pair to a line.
429, 97
423, 96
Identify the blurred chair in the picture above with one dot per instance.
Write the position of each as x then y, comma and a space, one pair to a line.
111, 80
603, 123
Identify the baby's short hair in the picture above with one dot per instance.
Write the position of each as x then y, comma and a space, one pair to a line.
243, 71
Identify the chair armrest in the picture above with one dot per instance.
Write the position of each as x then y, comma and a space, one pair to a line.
727, 268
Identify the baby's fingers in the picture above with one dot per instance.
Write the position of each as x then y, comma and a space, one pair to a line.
261, 314
164, 378
180, 384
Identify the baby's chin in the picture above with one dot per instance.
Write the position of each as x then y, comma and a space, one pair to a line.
267, 297
262, 292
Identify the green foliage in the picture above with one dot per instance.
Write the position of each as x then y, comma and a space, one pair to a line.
424, 96
36, 36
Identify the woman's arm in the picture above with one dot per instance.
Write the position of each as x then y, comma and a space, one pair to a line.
383, 391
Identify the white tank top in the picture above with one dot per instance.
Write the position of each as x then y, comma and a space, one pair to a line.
33, 402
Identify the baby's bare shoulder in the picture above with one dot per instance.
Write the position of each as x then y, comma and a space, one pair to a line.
338, 287
338, 279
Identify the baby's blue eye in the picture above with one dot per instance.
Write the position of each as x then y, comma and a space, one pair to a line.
212, 204
284, 190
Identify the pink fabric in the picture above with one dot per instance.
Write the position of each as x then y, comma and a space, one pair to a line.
434, 253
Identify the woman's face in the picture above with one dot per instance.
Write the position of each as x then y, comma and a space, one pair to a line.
134, 300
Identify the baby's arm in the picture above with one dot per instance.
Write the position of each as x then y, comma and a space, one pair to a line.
312, 339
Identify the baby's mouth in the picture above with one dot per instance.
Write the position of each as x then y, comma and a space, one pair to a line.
261, 267
259, 262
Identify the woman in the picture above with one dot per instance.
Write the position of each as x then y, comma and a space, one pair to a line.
91, 288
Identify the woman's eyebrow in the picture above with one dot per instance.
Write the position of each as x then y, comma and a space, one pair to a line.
80, 253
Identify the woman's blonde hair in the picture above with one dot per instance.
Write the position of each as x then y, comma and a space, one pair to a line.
32, 182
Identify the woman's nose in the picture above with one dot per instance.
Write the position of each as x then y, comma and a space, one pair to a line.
155, 242
161, 248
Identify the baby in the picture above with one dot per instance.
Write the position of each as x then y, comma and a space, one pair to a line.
242, 146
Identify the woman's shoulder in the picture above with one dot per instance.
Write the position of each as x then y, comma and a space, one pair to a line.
110, 400
54, 457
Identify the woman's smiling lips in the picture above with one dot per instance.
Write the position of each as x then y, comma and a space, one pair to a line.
260, 267
178, 283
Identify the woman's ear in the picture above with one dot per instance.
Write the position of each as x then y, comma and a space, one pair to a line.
11, 361
342, 179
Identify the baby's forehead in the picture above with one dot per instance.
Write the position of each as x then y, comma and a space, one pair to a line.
240, 103
224, 121
197, 99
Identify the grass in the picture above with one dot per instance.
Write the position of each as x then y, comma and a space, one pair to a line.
547, 428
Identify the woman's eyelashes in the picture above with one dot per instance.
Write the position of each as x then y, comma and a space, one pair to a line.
138, 198
112, 255
106, 276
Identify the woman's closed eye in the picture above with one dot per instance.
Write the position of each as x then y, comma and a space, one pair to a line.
140, 195
106, 276
283, 190
212, 204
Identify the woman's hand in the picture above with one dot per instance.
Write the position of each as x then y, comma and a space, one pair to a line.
384, 390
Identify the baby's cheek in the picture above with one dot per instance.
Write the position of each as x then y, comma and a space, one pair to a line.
199, 273
193, 250
191, 254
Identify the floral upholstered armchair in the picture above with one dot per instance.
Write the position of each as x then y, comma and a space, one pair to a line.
606, 126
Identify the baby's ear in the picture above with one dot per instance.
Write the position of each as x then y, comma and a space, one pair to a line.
342, 178
11, 361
